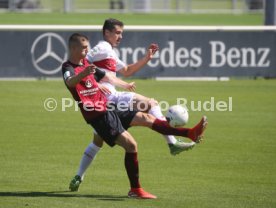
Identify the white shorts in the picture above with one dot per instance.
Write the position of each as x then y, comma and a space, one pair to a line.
118, 97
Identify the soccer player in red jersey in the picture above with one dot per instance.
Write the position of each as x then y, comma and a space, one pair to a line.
105, 58
111, 123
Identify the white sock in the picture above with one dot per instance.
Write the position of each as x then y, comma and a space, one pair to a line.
87, 158
156, 112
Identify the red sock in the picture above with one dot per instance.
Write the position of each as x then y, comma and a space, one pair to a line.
132, 168
163, 127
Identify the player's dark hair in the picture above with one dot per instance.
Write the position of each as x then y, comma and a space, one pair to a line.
76, 38
109, 24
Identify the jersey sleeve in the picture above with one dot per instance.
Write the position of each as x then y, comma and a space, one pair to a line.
119, 64
98, 52
99, 74
67, 71
91, 55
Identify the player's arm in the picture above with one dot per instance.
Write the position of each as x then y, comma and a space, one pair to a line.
109, 77
73, 80
133, 68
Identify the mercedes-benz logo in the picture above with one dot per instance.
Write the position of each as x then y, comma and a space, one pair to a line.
48, 52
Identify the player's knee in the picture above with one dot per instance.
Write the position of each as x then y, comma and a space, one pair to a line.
97, 140
148, 119
126, 141
132, 146
152, 103
98, 143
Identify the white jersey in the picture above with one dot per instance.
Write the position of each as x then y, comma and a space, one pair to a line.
105, 58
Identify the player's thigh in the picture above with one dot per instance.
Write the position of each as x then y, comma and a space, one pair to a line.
126, 141
143, 103
142, 119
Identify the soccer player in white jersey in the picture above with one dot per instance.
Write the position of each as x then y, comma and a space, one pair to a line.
106, 59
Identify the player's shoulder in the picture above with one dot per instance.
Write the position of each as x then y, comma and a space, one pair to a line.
104, 45
66, 64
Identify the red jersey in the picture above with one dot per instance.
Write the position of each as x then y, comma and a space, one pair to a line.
92, 102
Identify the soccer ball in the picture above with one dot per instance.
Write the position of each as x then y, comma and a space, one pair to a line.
177, 116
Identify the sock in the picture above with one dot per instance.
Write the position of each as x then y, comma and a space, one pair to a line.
164, 128
87, 158
132, 168
156, 112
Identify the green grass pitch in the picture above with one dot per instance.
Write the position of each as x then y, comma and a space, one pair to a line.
132, 19
235, 166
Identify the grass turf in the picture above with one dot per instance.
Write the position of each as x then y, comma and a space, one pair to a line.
234, 167
132, 19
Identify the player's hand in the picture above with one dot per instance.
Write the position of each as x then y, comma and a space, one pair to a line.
131, 86
152, 50
104, 89
89, 70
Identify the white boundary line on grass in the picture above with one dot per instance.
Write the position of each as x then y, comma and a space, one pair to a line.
192, 78
30, 79
18, 79
135, 28
157, 79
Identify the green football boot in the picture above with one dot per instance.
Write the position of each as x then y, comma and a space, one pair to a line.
75, 183
180, 146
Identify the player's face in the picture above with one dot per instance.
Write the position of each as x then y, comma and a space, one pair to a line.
115, 36
82, 49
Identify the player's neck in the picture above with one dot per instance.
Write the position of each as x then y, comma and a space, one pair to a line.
76, 61
108, 42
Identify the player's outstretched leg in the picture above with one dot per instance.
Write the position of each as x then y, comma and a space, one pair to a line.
196, 133
176, 146
163, 127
